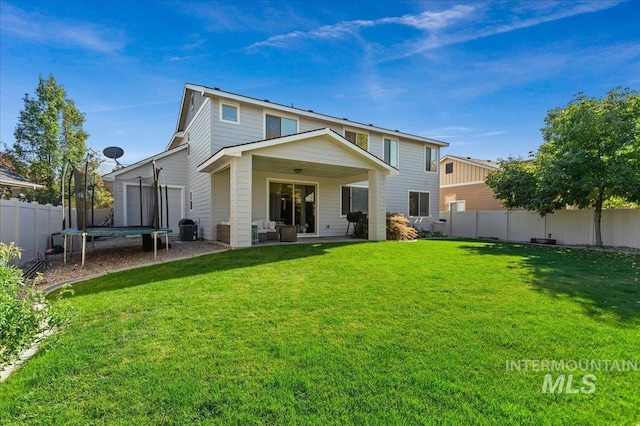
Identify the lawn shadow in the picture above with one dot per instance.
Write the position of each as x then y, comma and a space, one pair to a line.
601, 282
218, 261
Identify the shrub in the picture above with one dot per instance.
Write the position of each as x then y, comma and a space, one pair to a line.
24, 311
423, 233
398, 228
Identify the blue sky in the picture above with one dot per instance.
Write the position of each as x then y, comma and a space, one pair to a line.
479, 75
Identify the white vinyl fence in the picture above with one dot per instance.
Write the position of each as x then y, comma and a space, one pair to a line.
30, 225
620, 228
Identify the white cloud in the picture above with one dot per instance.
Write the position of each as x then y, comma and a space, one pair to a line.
106, 108
430, 21
478, 29
458, 24
426, 21
66, 33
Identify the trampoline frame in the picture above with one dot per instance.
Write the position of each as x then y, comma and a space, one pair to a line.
154, 230
116, 231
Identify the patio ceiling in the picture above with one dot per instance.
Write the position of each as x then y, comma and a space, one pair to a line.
307, 168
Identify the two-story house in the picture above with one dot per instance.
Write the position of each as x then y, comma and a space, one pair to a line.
236, 159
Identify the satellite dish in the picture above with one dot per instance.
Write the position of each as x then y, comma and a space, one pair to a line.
114, 152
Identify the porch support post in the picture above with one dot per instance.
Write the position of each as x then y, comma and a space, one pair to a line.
240, 199
377, 205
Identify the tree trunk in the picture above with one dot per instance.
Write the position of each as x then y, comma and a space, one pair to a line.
597, 217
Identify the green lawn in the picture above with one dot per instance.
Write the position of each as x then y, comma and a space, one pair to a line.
364, 333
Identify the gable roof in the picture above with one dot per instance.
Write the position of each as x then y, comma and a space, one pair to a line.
12, 179
265, 103
112, 175
487, 164
238, 150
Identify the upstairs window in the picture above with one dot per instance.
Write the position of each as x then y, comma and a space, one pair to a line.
448, 168
419, 203
357, 138
391, 152
279, 126
229, 113
431, 160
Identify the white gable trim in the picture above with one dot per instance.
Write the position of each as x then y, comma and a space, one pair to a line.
111, 176
472, 163
238, 150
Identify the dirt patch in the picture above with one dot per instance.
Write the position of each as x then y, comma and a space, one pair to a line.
110, 254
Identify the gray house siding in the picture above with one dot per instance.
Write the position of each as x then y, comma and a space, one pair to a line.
198, 135
412, 177
173, 174
198, 100
250, 128
221, 198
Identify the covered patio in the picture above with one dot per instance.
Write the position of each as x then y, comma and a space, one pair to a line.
295, 180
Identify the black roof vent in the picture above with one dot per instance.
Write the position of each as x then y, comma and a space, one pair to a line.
216, 88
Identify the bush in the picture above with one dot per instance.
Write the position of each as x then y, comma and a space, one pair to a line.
24, 311
398, 228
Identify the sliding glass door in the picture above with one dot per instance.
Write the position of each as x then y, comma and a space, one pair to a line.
294, 204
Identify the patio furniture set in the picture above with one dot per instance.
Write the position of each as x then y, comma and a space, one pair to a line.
261, 230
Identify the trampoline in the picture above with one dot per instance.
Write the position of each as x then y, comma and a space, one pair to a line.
116, 231
151, 217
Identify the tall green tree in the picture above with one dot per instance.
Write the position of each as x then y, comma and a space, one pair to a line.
591, 154
48, 134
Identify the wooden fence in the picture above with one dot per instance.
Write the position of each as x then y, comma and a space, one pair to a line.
620, 228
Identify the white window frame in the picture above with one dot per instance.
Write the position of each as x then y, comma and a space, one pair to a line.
397, 141
464, 205
424, 159
229, 104
347, 129
350, 196
281, 115
190, 201
409, 202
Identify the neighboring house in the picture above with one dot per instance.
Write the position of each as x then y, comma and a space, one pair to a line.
462, 184
13, 182
238, 159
